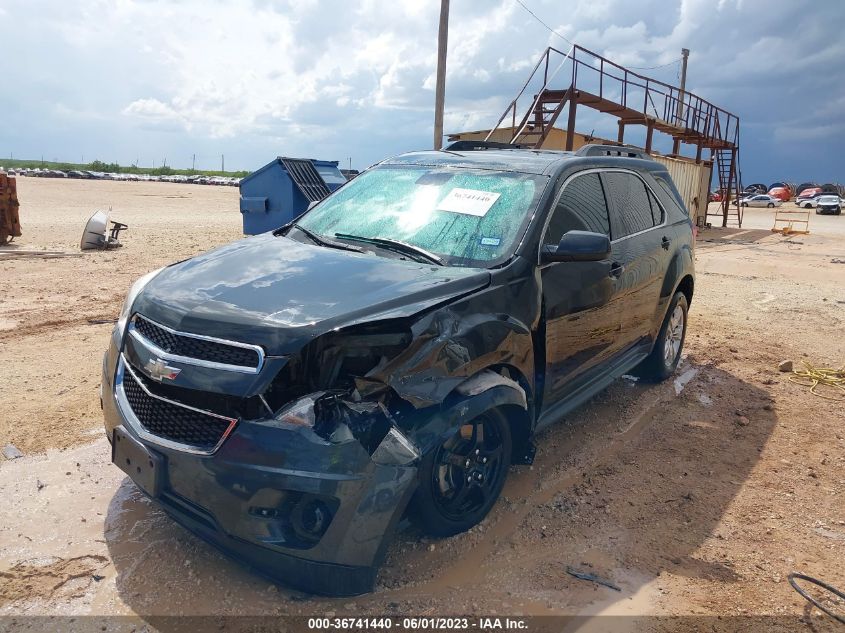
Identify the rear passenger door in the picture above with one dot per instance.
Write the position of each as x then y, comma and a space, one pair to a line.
582, 318
641, 247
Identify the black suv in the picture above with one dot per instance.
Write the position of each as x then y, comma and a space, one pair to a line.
289, 397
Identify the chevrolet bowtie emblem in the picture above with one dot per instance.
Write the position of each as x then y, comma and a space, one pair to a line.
159, 370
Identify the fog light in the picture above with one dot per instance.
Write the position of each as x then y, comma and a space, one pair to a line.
311, 518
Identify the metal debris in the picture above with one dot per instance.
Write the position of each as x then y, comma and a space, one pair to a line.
583, 575
11, 452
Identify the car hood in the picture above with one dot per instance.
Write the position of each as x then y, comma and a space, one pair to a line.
280, 293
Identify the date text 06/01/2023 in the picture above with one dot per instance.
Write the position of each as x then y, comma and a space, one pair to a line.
416, 623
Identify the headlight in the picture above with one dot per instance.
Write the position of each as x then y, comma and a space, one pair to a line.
134, 291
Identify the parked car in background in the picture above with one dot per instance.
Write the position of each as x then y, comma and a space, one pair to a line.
829, 204
761, 200
808, 202
396, 348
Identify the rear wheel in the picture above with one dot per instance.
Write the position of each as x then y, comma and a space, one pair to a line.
462, 478
770, 205
666, 354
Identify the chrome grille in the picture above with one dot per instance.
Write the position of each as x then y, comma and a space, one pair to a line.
171, 421
196, 349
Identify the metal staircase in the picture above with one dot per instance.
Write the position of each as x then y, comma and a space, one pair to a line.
730, 185
538, 123
598, 83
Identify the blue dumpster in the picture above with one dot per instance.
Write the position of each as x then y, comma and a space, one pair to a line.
284, 188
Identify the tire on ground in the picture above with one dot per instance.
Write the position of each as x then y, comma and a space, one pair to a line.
655, 366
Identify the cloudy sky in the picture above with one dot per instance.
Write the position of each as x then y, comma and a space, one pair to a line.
127, 80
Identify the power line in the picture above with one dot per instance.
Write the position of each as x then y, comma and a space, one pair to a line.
571, 43
654, 67
551, 30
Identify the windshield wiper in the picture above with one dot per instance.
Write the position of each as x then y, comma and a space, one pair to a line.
321, 241
394, 245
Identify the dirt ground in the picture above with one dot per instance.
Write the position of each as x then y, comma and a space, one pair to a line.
695, 496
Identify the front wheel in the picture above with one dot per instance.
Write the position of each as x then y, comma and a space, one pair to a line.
462, 478
770, 205
664, 357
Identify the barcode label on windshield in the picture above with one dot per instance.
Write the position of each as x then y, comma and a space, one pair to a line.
468, 201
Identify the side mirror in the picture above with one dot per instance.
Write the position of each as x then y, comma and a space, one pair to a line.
578, 246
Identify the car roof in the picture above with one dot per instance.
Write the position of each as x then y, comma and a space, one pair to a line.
528, 161
501, 157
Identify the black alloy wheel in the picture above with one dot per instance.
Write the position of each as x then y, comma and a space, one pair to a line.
462, 478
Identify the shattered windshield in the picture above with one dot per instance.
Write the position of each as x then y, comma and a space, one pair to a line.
467, 217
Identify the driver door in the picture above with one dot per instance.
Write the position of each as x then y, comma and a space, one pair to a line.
583, 320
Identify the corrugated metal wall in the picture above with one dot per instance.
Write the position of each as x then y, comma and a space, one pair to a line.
692, 181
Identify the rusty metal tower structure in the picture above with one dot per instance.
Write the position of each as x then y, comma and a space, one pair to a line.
584, 78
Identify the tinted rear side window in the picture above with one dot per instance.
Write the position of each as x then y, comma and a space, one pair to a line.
581, 207
629, 203
656, 210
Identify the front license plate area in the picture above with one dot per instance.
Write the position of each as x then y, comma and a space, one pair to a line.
143, 466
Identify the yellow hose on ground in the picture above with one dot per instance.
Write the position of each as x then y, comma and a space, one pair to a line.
812, 377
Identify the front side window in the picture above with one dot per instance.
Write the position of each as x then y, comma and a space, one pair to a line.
581, 207
630, 208
468, 217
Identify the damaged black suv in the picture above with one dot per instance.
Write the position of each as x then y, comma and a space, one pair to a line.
391, 352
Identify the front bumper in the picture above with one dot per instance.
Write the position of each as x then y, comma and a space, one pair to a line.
247, 497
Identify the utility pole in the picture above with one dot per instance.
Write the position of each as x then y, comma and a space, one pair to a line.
440, 89
679, 118
193, 163
222, 162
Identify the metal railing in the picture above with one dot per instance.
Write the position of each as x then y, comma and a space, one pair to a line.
631, 91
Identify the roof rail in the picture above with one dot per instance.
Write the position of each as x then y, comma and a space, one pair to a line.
474, 146
627, 151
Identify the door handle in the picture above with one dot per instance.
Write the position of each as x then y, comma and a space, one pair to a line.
665, 243
616, 270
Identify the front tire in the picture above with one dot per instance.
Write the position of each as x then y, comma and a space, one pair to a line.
771, 205
461, 479
666, 354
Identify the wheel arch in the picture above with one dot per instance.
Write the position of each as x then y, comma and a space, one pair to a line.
687, 286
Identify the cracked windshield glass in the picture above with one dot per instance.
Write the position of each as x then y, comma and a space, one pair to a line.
466, 217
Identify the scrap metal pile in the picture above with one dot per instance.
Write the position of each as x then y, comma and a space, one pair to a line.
10, 225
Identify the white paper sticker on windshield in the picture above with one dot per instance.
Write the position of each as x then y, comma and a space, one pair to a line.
468, 201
